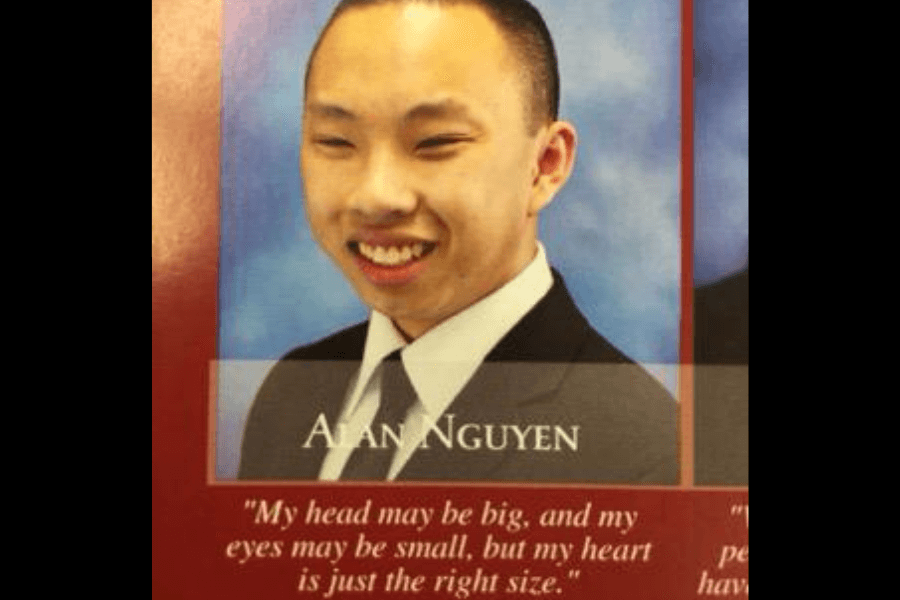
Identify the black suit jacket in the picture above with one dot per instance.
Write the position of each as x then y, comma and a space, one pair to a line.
552, 369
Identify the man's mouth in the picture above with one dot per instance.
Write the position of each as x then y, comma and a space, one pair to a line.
391, 262
392, 255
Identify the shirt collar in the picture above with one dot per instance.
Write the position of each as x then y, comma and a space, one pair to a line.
441, 361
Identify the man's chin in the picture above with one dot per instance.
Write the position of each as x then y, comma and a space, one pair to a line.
412, 320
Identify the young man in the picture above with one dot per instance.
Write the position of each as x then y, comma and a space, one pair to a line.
430, 145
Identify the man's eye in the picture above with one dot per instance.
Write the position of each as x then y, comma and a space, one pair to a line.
334, 142
440, 141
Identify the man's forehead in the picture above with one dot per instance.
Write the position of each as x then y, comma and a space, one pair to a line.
421, 19
391, 38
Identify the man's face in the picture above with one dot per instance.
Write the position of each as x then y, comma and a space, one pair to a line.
417, 161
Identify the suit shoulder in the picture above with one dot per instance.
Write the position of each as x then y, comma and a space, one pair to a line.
597, 348
297, 389
346, 344
630, 422
555, 330
632, 417
593, 347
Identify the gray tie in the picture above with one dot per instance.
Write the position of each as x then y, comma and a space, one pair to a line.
397, 395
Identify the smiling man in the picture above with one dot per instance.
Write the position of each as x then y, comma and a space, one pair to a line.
430, 145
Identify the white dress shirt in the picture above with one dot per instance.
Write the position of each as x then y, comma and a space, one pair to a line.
439, 363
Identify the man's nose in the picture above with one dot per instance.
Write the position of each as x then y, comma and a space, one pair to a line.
383, 193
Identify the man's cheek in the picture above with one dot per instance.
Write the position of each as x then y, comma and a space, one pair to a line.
320, 233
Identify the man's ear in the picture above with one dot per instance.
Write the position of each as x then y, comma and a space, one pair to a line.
555, 160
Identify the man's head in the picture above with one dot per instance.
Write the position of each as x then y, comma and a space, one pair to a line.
427, 153
524, 29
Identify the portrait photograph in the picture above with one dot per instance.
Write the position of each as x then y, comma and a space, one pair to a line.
489, 198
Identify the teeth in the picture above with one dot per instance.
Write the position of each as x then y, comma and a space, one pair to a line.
392, 255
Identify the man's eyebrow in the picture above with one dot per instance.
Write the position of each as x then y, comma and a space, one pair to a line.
332, 111
442, 109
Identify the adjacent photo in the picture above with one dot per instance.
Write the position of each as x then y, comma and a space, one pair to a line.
721, 254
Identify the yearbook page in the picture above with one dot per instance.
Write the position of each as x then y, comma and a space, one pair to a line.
450, 299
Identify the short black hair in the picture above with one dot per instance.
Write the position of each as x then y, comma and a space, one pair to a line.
523, 27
